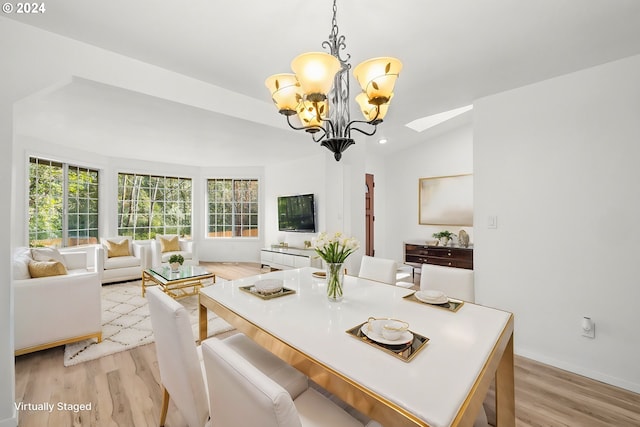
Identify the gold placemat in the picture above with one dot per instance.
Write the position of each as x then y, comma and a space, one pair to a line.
253, 291
405, 352
453, 304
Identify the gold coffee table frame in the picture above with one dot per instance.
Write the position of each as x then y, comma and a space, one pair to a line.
186, 282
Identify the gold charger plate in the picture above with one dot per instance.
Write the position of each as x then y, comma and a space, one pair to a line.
453, 304
252, 290
405, 352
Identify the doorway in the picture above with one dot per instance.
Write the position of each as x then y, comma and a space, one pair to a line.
369, 215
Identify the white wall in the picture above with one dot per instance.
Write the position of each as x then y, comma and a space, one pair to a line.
557, 162
449, 153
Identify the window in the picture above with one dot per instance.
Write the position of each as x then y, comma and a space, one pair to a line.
150, 205
63, 204
233, 207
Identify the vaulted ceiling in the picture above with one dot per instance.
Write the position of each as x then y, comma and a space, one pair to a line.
453, 51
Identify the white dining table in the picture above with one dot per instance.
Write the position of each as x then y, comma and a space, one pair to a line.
443, 385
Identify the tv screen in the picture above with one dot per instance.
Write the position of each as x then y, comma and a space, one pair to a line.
297, 213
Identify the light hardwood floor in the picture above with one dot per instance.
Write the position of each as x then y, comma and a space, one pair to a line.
124, 389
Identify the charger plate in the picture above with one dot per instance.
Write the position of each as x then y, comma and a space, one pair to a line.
253, 291
453, 304
405, 352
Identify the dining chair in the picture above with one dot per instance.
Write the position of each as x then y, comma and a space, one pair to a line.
455, 282
180, 361
378, 269
240, 395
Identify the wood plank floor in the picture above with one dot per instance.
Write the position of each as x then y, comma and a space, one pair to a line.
124, 389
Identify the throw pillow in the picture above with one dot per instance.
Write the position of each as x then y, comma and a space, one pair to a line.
115, 249
46, 268
169, 245
47, 254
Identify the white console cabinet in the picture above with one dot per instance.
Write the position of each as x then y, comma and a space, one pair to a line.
284, 258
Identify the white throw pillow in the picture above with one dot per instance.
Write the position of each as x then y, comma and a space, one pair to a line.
47, 254
21, 267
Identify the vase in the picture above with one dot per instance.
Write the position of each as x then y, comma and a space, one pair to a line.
175, 266
335, 280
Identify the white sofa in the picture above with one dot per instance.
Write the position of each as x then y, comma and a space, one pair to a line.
187, 250
55, 310
120, 268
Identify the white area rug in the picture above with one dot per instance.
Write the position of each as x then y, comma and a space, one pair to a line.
126, 323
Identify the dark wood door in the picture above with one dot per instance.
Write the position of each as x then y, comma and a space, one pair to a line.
368, 212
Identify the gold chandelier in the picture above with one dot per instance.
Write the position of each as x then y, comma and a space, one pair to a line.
318, 92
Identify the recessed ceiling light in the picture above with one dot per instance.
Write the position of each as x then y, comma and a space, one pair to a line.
382, 141
425, 123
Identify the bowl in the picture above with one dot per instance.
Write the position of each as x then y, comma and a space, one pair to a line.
394, 329
432, 297
268, 286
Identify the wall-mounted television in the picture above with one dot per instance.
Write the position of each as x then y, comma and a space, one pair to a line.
297, 213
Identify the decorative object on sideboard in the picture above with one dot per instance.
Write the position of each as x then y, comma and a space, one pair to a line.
463, 239
175, 261
444, 237
318, 92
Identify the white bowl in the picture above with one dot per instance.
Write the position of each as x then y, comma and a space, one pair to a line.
394, 329
268, 286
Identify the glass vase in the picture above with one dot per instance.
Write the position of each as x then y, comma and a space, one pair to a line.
335, 280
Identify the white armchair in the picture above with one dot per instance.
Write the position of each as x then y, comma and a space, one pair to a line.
118, 261
163, 246
55, 310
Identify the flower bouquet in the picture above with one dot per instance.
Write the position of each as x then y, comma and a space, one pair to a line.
334, 250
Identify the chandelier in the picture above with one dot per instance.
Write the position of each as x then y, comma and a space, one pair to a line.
318, 93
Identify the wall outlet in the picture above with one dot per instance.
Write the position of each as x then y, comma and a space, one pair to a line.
588, 327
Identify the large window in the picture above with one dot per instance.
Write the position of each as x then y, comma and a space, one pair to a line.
63, 204
150, 205
233, 207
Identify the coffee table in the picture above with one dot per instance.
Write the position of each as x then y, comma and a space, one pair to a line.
185, 282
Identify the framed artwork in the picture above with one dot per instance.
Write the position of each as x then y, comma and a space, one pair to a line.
446, 200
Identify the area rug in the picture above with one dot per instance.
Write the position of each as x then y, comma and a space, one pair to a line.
126, 323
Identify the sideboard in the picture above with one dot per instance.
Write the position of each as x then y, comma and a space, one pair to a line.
284, 258
416, 254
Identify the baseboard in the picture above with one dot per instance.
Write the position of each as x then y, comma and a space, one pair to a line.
10, 422
595, 375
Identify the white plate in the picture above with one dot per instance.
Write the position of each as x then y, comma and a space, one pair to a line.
432, 297
268, 285
406, 337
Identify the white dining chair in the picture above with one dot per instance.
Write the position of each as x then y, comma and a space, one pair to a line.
180, 364
378, 269
242, 396
455, 282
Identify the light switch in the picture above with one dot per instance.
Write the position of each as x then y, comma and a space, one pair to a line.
492, 221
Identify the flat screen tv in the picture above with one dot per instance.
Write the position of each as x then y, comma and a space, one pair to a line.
297, 213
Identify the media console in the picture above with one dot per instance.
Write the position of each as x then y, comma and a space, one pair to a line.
283, 258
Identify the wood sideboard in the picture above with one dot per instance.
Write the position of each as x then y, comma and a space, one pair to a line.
417, 254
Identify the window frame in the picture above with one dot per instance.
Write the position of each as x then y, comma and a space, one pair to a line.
234, 214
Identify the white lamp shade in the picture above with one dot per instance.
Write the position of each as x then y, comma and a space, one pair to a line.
315, 71
377, 77
285, 91
309, 116
369, 111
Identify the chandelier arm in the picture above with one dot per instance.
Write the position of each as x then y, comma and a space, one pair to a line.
321, 137
331, 125
304, 127
375, 128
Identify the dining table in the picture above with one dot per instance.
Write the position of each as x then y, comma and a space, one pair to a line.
439, 378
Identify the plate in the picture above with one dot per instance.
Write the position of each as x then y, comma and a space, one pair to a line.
268, 286
406, 337
319, 274
432, 297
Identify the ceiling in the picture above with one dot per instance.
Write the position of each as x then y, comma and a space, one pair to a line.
453, 52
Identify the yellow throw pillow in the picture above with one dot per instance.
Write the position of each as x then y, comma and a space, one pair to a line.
115, 249
169, 245
46, 268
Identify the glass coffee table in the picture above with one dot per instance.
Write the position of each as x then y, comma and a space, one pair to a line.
185, 282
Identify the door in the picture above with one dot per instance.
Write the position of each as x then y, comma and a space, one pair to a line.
368, 212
